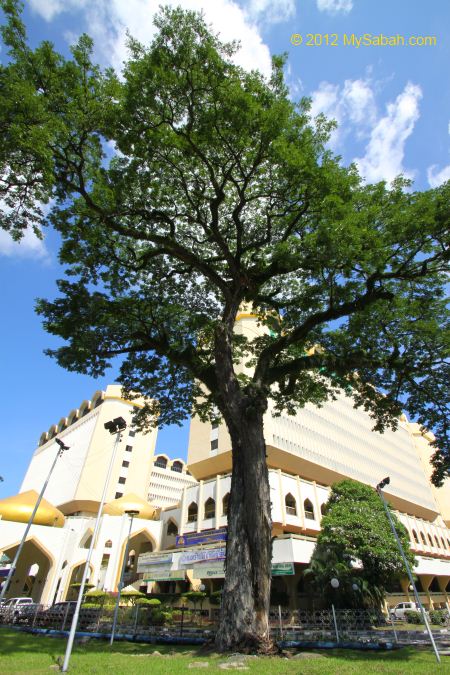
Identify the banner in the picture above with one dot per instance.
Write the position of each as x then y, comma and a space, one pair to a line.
282, 569
214, 570
147, 559
192, 557
165, 575
193, 538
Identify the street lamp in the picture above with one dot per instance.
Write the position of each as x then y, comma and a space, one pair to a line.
132, 514
116, 426
13, 567
379, 488
335, 585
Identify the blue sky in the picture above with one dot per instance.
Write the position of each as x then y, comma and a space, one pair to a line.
392, 104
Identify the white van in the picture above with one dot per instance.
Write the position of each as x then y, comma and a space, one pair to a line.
400, 610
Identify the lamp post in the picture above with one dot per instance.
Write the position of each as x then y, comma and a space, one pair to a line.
335, 585
5, 587
379, 489
132, 514
116, 426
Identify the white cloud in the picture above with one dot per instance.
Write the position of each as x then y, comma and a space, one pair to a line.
28, 247
271, 11
48, 9
435, 177
351, 104
335, 6
107, 21
385, 150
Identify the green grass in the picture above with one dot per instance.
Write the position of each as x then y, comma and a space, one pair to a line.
23, 653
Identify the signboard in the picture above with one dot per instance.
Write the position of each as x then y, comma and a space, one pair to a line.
147, 559
193, 538
213, 570
202, 555
282, 569
165, 575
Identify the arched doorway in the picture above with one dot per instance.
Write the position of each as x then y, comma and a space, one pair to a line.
32, 571
75, 578
140, 542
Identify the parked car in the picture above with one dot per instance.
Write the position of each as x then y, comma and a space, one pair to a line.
399, 611
11, 609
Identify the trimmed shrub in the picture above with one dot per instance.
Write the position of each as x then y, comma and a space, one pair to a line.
148, 602
438, 617
215, 598
413, 617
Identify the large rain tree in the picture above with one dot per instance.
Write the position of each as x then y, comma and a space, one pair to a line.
357, 547
188, 187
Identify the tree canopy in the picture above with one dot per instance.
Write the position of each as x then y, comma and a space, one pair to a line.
356, 546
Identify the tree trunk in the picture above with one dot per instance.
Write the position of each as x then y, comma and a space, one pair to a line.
244, 623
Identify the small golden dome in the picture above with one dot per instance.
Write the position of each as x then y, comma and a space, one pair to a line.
130, 502
20, 507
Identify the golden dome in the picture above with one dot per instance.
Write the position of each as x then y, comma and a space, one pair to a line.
20, 507
130, 502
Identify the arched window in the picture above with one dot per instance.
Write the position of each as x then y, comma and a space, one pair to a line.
430, 541
177, 466
161, 462
422, 537
172, 528
416, 538
442, 542
309, 510
323, 508
108, 544
436, 542
210, 508
192, 512
291, 505
225, 504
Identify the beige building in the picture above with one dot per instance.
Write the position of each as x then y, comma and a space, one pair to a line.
80, 474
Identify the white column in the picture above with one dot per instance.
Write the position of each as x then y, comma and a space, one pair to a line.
218, 497
301, 507
201, 507
183, 512
316, 499
282, 502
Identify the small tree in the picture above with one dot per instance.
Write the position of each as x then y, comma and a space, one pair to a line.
356, 546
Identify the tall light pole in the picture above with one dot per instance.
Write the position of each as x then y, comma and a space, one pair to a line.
132, 514
379, 488
5, 587
116, 426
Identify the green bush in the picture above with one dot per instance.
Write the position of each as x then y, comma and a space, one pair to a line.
194, 596
99, 598
215, 598
413, 617
160, 617
90, 605
148, 602
438, 617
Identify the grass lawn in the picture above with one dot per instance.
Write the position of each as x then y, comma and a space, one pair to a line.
25, 653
